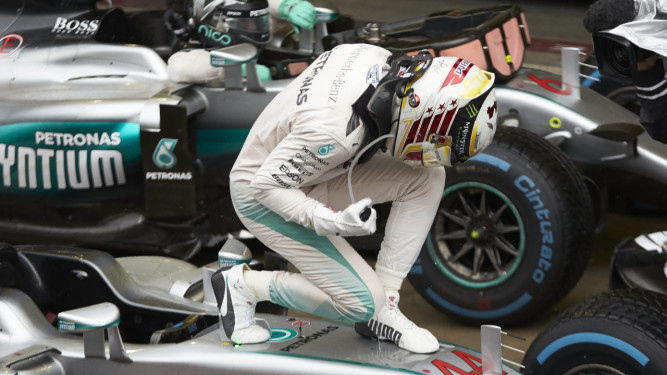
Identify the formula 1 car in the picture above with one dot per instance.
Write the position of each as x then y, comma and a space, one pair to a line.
151, 292
100, 150
139, 300
34, 346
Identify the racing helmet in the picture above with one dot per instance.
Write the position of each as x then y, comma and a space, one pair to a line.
221, 23
445, 114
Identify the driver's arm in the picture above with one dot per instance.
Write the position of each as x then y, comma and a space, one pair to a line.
300, 13
304, 157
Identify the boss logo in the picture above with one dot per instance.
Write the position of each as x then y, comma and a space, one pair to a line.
77, 27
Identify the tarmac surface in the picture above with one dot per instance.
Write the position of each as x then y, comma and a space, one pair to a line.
552, 24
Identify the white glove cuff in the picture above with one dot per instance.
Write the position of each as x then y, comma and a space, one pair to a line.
324, 221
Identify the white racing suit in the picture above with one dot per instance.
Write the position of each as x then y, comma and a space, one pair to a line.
297, 155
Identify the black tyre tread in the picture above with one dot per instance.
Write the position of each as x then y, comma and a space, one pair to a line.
577, 207
645, 312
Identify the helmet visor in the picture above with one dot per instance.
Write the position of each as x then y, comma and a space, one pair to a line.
248, 19
250, 25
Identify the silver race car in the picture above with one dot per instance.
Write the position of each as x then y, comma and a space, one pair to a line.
29, 343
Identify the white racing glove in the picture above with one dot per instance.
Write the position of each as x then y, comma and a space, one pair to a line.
345, 223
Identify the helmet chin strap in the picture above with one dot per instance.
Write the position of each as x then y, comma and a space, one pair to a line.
394, 125
356, 159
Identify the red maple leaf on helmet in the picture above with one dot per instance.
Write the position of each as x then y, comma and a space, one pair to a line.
492, 109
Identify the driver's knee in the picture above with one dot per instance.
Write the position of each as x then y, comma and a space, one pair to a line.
360, 304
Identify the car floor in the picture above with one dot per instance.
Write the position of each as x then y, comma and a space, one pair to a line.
552, 24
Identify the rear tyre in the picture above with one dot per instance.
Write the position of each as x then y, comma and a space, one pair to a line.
512, 236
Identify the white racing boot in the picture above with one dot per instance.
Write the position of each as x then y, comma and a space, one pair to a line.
237, 307
390, 324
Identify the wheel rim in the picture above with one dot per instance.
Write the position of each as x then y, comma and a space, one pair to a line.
478, 237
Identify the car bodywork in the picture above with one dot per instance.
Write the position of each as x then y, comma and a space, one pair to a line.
30, 345
160, 315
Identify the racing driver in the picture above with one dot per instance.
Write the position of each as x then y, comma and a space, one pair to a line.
357, 121
223, 23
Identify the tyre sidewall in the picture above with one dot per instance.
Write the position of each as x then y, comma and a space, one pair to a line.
590, 340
